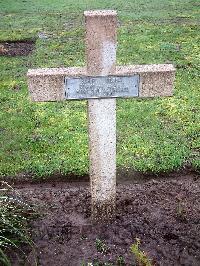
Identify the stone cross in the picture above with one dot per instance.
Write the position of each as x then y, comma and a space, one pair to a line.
101, 82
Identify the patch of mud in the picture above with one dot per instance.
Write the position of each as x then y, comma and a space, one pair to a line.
17, 48
164, 214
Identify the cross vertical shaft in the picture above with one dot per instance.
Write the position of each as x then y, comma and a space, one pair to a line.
101, 61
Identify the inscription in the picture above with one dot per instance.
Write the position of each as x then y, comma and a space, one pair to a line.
101, 87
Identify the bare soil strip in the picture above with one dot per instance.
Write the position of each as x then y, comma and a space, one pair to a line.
17, 48
164, 215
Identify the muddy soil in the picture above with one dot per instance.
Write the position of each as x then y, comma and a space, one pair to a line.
164, 214
17, 48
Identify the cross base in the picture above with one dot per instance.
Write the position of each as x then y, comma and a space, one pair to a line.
103, 212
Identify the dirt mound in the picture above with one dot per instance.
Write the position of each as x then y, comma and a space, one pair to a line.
164, 215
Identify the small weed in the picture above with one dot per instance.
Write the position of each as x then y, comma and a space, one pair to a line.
101, 246
120, 261
83, 237
140, 255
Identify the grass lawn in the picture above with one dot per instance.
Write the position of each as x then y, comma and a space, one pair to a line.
153, 135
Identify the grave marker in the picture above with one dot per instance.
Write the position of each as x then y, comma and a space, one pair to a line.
101, 82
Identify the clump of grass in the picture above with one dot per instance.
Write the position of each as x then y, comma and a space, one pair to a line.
101, 246
14, 217
120, 261
140, 256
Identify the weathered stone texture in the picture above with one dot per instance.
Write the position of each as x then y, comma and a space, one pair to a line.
47, 84
101, 59
155, 80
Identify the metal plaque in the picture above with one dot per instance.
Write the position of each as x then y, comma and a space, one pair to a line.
102, 87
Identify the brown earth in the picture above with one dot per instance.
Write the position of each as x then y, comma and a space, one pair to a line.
16, 48
164, 214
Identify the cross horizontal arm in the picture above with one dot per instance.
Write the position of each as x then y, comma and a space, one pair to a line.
47, 84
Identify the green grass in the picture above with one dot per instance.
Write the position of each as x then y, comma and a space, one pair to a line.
14, 219
140, 256
154, 135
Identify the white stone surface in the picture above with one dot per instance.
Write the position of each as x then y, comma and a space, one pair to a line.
102, 115
102, 136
